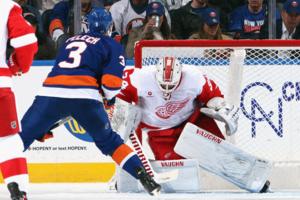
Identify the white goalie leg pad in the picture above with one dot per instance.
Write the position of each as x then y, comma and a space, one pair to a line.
223, 159
188, 179
125, 118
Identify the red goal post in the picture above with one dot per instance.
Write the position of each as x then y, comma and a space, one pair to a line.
261, 76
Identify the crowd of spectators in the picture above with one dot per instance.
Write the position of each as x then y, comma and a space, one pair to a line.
155, 27
135, 20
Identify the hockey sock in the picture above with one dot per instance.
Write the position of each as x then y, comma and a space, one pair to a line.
127, 159
15, 170
13, 163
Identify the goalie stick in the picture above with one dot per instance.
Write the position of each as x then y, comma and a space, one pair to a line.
159, 177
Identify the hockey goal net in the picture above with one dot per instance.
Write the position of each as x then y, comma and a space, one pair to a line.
260, 76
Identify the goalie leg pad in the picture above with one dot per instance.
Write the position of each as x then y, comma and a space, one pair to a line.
223, 159
188, 178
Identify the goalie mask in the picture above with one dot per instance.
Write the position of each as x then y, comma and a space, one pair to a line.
168, 75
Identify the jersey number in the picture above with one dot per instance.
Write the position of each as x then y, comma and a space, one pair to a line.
74, 54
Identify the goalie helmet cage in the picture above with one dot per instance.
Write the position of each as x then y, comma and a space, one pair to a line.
260, 76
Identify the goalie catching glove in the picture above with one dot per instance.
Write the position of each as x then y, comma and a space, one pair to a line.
218, 109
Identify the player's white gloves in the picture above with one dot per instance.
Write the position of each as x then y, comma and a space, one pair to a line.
56, 34
218, 109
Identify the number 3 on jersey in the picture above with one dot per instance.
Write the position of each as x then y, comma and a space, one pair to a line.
74, 54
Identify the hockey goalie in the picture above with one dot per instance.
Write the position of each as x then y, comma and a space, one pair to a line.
177, 109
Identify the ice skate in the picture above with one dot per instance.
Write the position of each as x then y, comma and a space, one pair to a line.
15, 193
148, 182
266, 187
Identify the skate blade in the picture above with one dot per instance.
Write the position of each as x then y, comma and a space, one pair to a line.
156, 192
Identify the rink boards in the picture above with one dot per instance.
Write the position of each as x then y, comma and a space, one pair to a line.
269, 103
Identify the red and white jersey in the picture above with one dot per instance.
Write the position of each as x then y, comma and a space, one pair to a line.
22, 38
140, 87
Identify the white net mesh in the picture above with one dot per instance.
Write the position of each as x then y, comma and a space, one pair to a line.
221, 55
263, 80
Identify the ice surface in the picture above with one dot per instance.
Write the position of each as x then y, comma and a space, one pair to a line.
100, 191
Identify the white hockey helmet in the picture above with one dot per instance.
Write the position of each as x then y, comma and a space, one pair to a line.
168, 74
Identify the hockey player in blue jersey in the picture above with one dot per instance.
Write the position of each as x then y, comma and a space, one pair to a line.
86, 64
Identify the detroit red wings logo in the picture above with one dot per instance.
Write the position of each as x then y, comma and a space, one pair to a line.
170, 108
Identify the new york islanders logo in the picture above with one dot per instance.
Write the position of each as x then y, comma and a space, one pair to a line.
170, 108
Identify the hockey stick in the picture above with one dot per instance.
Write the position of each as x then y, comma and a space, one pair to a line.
49, 133
59, 123
159, 177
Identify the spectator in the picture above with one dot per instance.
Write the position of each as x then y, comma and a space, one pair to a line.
286, 26
279, 4
186, 20
210, 28
172, 4
48, 4
224, 8
46, 48
108, 3
128, 14
61, 25
155, 27
43, 5
246, 21
32, 15
103, 3
227, 5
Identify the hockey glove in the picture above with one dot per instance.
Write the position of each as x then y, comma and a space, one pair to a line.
13, 65
109, 106
47, 136
61, 40
109, 103
56, 34
218, 109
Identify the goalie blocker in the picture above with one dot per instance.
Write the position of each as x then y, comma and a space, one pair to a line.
224, 159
